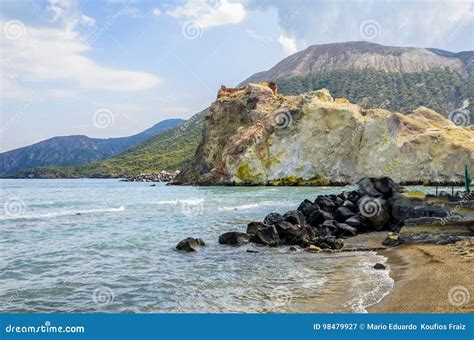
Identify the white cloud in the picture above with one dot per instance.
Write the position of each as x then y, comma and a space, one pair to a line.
133, 12
208, 15
442, 24
52, 56
68, 12
156, 12
288, 44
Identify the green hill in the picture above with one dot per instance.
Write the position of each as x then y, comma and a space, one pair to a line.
442, 90
74, 150
170, 150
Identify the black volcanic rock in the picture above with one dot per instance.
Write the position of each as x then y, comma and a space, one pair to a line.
234, 238
272, 218
267, 236
294, 217
252, 227
190, 244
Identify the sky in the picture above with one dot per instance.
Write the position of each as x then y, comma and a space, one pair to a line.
112, 68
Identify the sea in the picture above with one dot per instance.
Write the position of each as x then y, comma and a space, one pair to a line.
106, 246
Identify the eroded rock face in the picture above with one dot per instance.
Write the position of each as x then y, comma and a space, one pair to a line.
253, 136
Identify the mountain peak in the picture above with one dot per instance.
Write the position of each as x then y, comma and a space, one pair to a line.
362, 55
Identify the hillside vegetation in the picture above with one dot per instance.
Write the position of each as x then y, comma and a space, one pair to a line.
74, 150
170, 150
441, 90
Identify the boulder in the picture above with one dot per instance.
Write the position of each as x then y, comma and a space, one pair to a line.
354, 197
252, 227
327, 228
385, 185
305, 204
317, 217
311, 212
287, 231
234, 238
344, 195
404, 208
328, 242
267, 236
359, 222
294, 217
342, 213
344, 230
190, 244
326, 204
272, 218
326, 215
338, 201
351, 206
376, 210
367, 187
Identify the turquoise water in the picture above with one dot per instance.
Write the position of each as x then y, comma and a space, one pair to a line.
108, 246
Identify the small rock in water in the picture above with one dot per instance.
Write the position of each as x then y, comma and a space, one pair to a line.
313, 249
190, 244
234, 238
252, 251
295, 248
379, 266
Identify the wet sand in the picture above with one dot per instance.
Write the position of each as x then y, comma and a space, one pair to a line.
430, 279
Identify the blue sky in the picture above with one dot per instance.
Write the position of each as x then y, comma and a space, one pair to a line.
114, 68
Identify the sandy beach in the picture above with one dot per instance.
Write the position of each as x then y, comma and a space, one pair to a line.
430, 279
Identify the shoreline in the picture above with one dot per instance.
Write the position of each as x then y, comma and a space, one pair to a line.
303, 184
429, 278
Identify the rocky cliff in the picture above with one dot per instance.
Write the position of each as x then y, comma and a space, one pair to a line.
253, 136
